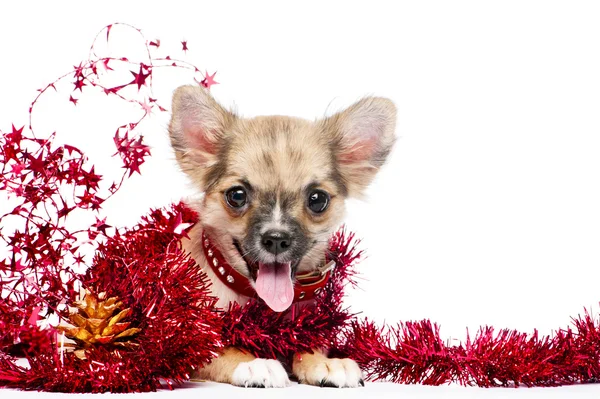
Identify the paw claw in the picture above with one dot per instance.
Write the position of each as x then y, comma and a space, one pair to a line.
255, 386
361, 382
327, 384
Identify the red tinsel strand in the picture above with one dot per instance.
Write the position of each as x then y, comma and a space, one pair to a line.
146, 268
11, 374
413, 352
169, 297
102, 371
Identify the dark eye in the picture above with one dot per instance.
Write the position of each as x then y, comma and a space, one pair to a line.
236, 197
318, 201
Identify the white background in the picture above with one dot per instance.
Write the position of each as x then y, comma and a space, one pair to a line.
488, 211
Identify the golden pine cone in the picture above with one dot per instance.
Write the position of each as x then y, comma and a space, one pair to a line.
93, 322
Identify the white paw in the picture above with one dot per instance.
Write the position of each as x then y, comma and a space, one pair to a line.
260, 373
339, 373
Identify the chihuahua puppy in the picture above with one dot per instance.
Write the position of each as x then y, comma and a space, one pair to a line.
273, 193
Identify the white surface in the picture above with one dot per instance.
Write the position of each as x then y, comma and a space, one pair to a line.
488, 210
371, 390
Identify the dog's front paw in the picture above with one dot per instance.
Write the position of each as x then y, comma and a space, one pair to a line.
315, 369
260, 373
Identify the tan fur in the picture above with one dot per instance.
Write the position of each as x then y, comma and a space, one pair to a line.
221, 369
281, 157
318, 369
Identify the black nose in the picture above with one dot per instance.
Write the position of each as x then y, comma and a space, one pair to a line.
276, 242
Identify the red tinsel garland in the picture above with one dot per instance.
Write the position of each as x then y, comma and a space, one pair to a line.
414, 353
179, 328
170, 302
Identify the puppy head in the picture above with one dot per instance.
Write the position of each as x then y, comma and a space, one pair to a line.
274, 187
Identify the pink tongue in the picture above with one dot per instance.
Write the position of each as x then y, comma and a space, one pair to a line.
274, 285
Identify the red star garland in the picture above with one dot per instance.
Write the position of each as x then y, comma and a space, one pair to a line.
132, 151
79, 84
15, 135
46, 184
140, 77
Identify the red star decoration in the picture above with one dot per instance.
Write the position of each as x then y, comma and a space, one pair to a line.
132, 151
78, 259
64, 211
177, 226
17, 265
86, 199
73, 100
101, 225
155, 43
16, 135
140, 78
79, 84
184, 45
96, 203
78, 71
209, 80
145, 106
37, 164
17, 168
91, 178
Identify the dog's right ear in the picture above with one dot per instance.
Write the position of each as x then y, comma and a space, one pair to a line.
197, 131
361, 137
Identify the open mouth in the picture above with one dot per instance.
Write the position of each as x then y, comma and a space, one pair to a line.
274, 282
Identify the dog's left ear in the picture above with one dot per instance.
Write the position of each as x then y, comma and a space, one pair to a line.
361, 138
198, 131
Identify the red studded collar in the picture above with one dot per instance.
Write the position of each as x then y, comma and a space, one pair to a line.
307, 284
